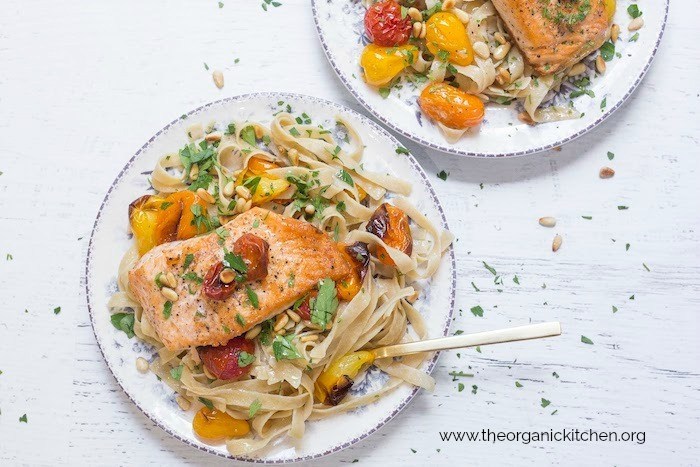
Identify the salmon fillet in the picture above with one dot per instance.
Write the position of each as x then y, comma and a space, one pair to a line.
300, 256
555, 34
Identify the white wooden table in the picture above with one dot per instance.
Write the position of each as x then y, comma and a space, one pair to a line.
83, 84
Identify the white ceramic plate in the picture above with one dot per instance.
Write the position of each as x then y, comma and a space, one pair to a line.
110, 240
341, 29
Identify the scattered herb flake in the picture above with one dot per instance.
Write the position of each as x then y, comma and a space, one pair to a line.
167, 309
284, 349
254, 407
176, 372
477, 311
442, 175
586, 340
252, 296
544, 402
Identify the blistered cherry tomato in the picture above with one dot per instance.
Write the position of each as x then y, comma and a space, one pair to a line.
358, 256
382, 64
446, 33
214, 288
222, 361
304, 310
254, 251
450, 106
384, 25
212, 424
391, 225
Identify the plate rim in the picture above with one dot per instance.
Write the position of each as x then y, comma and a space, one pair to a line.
450, 253
464, 153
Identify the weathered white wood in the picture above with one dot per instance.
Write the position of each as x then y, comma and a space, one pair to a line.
82, 86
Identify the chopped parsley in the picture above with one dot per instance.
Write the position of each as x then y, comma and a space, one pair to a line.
294, 132
23, 418
192, 276
442, 175
57, 310
459, 374
634, 37
235, 262
252, 296
245, 359
586, 340
124, 322
324, 304
207, 403
248, 135
622, 208
240, 319
284, 349
607, 51
460, 387
344, 176
340, 207
188, 260
611, 156
633, 10
518, 385
544, 402
254, 407
222, 233
176, 372
402, 150
477, 311
167, 309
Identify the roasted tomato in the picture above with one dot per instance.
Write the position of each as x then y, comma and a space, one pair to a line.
255, 254
445, 32
382, 64
223, 361
357, 254
214, 425
214, 288
157, 219
258, 165
610, 7
385, 26
333, 384
391, 225
304, 309
450, 106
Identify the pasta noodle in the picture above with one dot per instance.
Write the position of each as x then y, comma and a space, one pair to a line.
379, 314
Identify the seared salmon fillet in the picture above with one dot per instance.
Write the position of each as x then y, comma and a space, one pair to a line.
299, 255
555, 34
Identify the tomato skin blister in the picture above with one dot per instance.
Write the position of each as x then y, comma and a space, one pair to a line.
450, 106
384, 25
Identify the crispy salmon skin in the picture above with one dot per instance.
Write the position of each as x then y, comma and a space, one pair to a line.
299, 255
556, 34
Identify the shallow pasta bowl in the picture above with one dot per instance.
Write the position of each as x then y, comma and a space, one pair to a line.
110, 239
341, 31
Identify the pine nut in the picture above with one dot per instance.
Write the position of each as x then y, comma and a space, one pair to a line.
503, 77
248, 205
308, 338
415, 14
218, 77
281, 322
183, 403
501, 51
636, 24
556, 243
600, 64
205, 195
294, 316
577, 69
500, 38
169, 293
310, 209
606, 172
213, 137
463, 16
243, 192
293, 155
172, 281
258, 132
483, 97
423, 30
548, 221
614, 32
290, 324
229, 189
253, 333
416, 29
227, 275
142, 364
194, 172
448, 5
481, 49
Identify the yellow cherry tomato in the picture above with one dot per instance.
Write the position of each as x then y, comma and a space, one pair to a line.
451, 106
214, 425
382, 64
446, 33
610, 6
258, 165
333, 384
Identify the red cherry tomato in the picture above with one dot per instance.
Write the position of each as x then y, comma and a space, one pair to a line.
214, 288
384, 25
222, 361
253, 250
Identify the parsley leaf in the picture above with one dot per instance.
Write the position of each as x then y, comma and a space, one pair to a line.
442, 175
176, 372
344, 176
284, 349
207, 403
124, 322
402, 150
254, 407
324, 304
544, 402
586, 340
245, 359
607, 51
248, 135
252, 296
235, 262
477, 311
240, 319
167, 309
23, 418
633, 10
